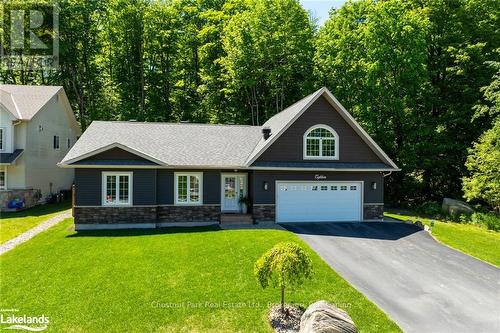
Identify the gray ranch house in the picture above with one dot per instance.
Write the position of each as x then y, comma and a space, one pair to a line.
312, 162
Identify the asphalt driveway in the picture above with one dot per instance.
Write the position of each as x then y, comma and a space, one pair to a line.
421, 284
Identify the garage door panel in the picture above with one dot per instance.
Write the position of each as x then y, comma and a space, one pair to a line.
318, 201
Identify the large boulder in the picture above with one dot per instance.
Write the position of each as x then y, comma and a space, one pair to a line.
455, 207
322, 317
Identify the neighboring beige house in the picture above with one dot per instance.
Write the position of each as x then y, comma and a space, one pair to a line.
37, 129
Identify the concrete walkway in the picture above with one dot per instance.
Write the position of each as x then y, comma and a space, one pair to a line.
27, 235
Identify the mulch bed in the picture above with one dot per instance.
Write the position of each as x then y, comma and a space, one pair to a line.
287, 322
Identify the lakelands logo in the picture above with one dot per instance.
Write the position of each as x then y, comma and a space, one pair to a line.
24, 322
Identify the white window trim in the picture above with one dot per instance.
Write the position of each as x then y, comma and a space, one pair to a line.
130, 188
4, 169
304, 141
176, 189
4, 136
58, 142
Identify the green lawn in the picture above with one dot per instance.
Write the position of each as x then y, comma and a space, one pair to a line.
15, 223
476, 241
173, 280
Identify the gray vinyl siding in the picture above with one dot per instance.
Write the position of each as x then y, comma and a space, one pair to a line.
156, 187
144, 187
165, 187
115, 154
260, 196
211, 187
88, 184
289, 146
88, 187
150, 186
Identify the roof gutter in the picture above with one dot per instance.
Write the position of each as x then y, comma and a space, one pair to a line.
219, 167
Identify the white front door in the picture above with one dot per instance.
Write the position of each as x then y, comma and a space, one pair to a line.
234, 186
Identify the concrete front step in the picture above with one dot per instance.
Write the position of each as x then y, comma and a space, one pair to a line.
236, 219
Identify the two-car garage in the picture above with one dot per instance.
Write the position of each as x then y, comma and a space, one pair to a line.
318, 201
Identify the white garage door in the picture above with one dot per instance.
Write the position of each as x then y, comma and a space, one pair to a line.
318, 201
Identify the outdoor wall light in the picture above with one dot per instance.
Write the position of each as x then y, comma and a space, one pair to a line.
265, 185
374, 186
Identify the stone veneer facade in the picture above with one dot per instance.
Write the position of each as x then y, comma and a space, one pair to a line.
30, 197
373, 211
203, 213
146, 214
166, 214
111, 215
264, 213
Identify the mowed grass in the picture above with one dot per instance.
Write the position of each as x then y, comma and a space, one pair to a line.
172, 280
15, 223
471, 239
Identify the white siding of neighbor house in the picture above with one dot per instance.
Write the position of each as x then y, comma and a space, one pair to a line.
15, 138
6, 119
40, 158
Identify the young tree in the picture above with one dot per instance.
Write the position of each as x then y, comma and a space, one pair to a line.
285, 265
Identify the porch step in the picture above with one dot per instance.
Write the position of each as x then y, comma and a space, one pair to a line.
236, 219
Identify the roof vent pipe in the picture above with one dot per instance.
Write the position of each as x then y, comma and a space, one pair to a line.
266, 133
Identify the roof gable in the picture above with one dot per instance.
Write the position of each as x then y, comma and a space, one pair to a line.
293, 113
25, 101
289, 146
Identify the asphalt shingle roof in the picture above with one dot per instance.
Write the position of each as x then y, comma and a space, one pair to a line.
25, 101
173, 144
195, 145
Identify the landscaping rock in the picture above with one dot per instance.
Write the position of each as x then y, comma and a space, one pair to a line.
419, 224
288, 322
454, 207
322, 317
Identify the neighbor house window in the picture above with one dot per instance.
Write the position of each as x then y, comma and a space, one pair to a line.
321, 142
188, 188
116, 188
56, 142
2, 138
3, 179
68, 143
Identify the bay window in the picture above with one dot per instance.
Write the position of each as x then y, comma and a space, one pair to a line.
188, 188
117, 188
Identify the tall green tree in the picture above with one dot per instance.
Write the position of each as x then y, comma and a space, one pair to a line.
412, 72
268, 61
82, 71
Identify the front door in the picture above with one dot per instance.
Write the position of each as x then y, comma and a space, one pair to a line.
234, 186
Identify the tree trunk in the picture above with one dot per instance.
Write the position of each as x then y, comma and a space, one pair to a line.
283, 299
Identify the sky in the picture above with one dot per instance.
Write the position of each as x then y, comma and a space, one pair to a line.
320, 8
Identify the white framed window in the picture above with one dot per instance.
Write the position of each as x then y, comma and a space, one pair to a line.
117, 188
2, 138
188, 188
55, 142
321, 142
3, 179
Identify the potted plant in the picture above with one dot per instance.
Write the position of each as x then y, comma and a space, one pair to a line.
245, 202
